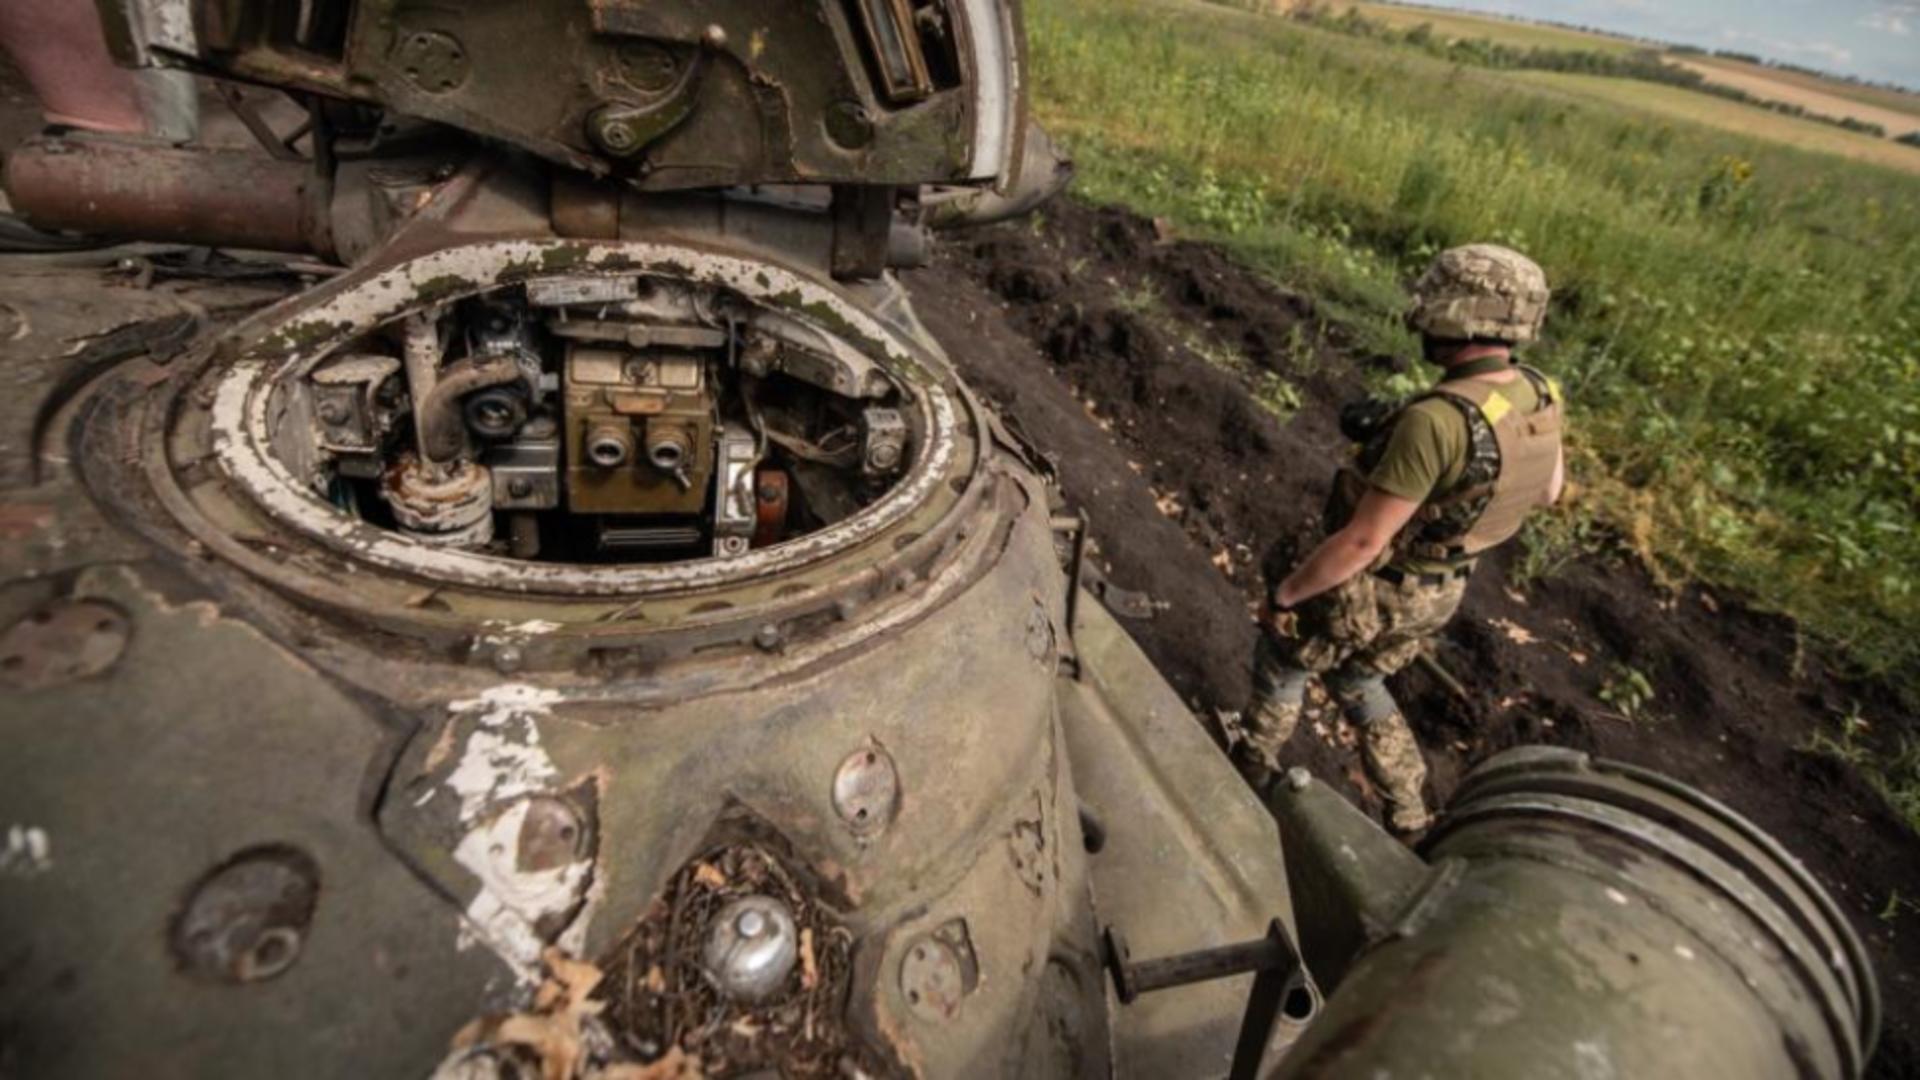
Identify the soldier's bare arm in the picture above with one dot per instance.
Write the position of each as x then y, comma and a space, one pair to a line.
1350, 550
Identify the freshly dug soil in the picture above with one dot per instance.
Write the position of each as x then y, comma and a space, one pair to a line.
1136, 360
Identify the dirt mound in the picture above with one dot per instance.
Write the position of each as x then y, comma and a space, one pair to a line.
1151, 370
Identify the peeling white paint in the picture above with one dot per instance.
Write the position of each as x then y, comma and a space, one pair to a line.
996, 69
28, 852
511, 902
503, 762
497, 633
1592, 1062
503, 757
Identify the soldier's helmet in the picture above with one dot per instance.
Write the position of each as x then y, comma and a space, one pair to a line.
1480, 291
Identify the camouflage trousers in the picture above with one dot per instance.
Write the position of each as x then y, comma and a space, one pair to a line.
1353, 637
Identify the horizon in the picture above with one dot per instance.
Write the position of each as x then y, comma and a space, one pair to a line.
1870, 40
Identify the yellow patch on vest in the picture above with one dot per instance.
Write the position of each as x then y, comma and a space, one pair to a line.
1496, 407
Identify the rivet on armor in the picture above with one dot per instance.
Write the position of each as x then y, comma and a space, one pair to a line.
938, 970
246, 921
63, 642
866, 790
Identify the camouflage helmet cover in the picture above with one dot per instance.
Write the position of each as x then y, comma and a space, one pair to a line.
1480, 291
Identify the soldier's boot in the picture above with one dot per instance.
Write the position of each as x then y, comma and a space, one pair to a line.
1393, 759
1388, 747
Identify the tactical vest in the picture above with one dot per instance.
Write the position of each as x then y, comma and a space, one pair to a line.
1509, 471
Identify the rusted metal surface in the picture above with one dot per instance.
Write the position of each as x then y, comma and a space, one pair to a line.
866, 790
111, 187
746, 83
63, 642
771, 492
247, 920
441, 508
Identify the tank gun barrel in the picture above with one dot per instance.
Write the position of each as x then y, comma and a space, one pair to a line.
1572, 917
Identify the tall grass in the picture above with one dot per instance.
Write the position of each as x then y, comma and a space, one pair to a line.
1736, 320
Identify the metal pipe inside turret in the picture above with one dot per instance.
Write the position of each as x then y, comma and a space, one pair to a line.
420, 354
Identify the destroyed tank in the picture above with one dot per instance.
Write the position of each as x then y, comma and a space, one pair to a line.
597, 630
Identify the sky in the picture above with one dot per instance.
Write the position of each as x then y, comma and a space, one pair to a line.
1878, 40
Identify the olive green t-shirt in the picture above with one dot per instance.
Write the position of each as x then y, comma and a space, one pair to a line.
1428, 449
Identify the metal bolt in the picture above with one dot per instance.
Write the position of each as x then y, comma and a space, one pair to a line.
617, 136
849, 125
767, 637
751, 923
866, 790
1299, 779
333, 412
507, 658
519, 487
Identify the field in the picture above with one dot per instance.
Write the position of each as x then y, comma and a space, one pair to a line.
1877, 97
1816, 95
1458, 24
1690, 106
1736, 318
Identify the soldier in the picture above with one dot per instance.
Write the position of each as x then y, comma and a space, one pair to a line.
1436, 483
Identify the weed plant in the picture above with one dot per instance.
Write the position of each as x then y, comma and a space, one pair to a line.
1737, 322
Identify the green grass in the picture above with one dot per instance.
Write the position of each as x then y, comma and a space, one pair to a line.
1461, 25
1893, 771
1738, 321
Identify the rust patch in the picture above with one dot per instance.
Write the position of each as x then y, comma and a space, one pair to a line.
20, 521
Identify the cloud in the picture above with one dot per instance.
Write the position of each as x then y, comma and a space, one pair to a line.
1890, 20
1823, 50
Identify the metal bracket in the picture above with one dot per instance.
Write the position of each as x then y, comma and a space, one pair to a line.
1075, 527
1280, 984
